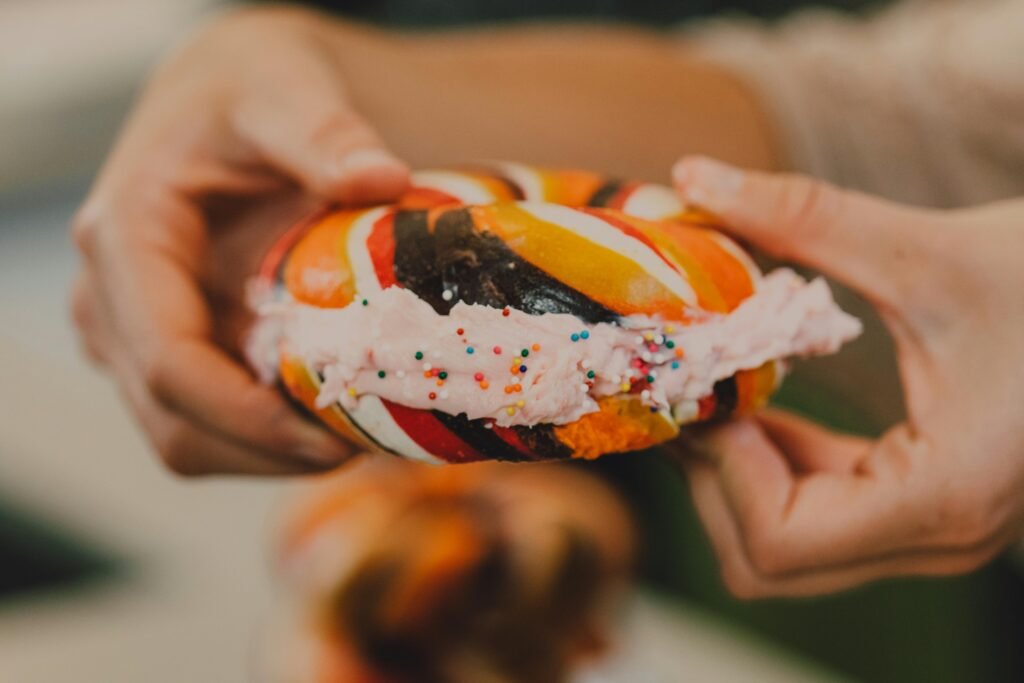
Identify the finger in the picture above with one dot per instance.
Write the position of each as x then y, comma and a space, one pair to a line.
312, 133
809, 447
200, 382
870, 244
87, 319
189, 449
166, 326
742, 578
890, 503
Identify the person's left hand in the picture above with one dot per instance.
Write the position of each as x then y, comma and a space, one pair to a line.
794, 509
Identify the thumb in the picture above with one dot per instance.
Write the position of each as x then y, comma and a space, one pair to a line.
865, 242
315, 137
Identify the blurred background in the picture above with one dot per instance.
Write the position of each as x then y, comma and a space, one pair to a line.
113, 570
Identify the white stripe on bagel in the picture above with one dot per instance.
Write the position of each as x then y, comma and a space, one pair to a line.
466, 189
373, 417
527, 178
652, 202
363, 272
598, 231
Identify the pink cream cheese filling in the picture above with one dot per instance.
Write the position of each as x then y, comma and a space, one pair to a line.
522, 369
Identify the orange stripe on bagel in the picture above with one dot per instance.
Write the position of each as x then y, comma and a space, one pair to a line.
754, 387
721, 280
571, 188
602, 274
621, 424
425, 198
318, 270
709, 294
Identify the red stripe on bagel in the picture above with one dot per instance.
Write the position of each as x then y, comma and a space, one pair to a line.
431, 434
706, 406
381, 246
510, 437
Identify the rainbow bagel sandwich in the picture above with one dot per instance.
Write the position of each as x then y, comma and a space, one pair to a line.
522, 314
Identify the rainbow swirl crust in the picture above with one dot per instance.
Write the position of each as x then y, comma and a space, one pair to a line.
531, 242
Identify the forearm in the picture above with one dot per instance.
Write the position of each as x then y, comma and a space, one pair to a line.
621, 101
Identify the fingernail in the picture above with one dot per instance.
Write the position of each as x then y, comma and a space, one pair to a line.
707, 183
363, 160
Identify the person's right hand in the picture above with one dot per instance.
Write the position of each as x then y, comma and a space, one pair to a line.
254, 105
794, 509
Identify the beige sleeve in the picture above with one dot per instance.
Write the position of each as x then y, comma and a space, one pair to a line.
923, 103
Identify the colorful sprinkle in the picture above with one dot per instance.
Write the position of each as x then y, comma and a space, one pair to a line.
484, 384
447, 295
419, 355
624, 386
675, 365
650, 379
522, 368
670, 328
648, 336
479, 377
470, 350
497, 350
505, 311
670, 344
659, 339
585, 334
679, 353
510, 410
365, 302
524, 353
440, 382
575, 337
428, 374
351, 391
509, 389
382, 374
591, 374
520, 404
535, 347
645, 394
460, 332
431, 395
517, 387
443, 374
